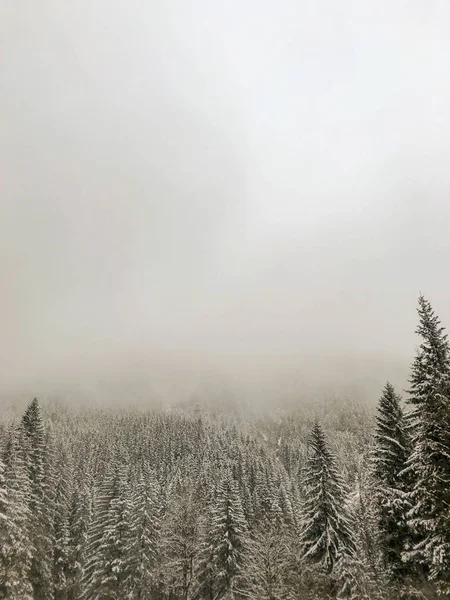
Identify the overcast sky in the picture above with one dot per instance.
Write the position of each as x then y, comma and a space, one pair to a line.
236, 182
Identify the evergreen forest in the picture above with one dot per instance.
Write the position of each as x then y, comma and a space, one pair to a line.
336, 500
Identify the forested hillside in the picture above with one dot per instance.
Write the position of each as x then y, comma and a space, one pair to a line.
327, 502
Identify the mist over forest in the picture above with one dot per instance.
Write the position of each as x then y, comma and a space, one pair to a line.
199, 192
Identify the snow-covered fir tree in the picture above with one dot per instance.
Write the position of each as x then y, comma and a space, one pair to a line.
79, 515
429, 463
12, 539
180, 541
36, 457
61, 531
221, 566
16, 548
145, 522
326, 530
107, 574
388, 461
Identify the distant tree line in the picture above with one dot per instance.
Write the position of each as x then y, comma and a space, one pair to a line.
204, 505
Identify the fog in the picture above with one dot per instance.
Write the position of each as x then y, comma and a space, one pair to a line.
244, 193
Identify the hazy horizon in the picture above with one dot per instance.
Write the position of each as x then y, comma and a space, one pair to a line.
247, 194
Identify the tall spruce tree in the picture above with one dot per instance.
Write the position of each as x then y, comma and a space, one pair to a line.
61, 531
145, 517
388, 461
326, 533
36, 458
179, 542
429, 463
109, 553
78, 526
10, 538
221, 571
16, 550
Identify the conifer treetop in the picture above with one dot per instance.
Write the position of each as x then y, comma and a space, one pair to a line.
432, 360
